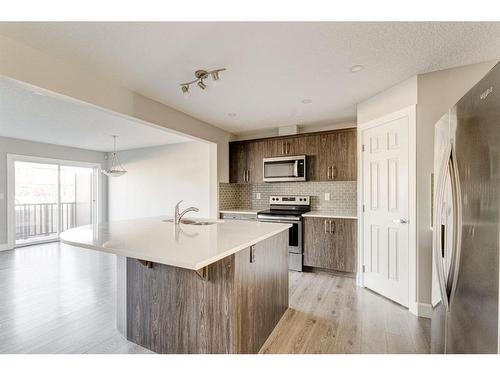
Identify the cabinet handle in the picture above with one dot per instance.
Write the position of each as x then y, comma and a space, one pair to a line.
248, 175
328, 174
332, 227
287, 148
326, 226
282, 148
334, 175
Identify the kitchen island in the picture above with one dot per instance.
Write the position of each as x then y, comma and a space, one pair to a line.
203, 287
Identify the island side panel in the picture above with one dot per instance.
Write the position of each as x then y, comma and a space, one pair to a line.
174, 310
261, 294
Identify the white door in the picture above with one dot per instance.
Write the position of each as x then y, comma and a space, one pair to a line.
386, 208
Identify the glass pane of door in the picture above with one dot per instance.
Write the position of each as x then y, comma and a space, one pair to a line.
36, 201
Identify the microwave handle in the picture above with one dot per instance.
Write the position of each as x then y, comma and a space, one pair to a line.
296, 168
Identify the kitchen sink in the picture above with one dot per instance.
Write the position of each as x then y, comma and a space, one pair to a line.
183, 221
191, 222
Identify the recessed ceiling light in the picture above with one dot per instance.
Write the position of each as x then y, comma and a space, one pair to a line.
306, 101
356, 68
231, 114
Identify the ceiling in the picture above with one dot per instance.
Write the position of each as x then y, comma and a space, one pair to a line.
271, 67
38, 116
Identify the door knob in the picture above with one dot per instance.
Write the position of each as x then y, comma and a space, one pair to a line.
400, 221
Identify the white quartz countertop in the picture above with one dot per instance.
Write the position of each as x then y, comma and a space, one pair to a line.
186, 246
244, 211
332, 214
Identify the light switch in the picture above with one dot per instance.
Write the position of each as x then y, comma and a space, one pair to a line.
327, 196
258, 195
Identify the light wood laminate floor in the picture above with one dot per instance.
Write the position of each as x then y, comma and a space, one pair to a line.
330, 314
57, 298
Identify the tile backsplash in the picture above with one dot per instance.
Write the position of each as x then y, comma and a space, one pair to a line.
343, 194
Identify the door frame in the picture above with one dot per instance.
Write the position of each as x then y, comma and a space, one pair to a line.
410, 113
12, 158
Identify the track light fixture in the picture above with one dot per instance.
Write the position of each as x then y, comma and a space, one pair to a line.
185, 90
201, 85
201, 75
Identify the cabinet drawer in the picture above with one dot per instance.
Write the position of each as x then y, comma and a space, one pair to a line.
237, 216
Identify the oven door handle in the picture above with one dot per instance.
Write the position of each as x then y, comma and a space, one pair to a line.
296, 168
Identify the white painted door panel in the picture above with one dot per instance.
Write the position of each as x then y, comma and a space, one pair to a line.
385, 237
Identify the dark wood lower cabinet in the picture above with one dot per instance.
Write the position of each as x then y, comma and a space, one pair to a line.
174, 310
330, 243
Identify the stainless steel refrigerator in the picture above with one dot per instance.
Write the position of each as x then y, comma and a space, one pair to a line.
466, 223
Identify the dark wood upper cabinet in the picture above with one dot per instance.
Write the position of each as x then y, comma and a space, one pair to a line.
337, 156
238, 153
245, 162
331, 156
330, 243
254, 161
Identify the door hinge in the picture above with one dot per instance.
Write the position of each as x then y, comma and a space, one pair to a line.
362, 147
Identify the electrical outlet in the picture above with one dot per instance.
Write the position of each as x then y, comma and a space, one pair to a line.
258, 195
327, 196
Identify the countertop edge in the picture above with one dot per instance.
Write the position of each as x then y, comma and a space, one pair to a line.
197, 266
241, 247
329, 215
239, 211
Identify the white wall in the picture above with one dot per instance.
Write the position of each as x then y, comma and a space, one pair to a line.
391, 100
29, 65
433, 93
17, 146
159, 177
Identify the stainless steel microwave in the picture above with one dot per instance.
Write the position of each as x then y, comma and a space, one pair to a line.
284, 168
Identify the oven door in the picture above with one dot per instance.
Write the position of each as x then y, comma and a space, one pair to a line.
289, 168
294, 233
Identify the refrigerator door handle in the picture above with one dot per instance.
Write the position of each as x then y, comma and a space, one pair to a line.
457, 226
436, 234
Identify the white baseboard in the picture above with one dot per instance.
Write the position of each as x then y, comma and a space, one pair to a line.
5, 246
424, 310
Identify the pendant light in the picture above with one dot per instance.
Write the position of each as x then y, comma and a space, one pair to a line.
116, 169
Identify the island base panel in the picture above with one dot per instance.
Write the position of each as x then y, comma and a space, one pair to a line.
234, 310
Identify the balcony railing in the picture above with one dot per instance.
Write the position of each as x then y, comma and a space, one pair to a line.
40, 219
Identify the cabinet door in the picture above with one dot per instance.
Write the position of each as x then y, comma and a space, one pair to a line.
238, 153
337, 158
255, 154
311, 144
326, 143
330, 243
344, 157
274, 147
296, 145
344, 235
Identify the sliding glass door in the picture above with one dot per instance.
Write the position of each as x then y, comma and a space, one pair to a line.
50, 198
36, 202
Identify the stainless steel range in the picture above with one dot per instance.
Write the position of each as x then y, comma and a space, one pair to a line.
289, 209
